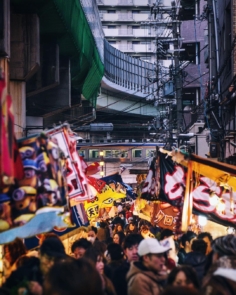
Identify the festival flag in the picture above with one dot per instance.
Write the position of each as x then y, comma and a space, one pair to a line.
6, 137
117, 183
78, 187
42, 191
11, 166
208, 188
104, 199
151, 186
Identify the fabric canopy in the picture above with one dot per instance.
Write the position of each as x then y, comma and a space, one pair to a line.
219, 172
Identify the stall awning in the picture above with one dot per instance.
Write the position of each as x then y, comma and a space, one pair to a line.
221, 173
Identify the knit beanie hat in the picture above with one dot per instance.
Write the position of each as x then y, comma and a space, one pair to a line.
225, 245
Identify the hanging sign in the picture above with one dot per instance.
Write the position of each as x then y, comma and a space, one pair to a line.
166, 216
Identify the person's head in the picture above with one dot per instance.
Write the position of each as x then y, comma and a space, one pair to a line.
152, 254
27, 269
132, 226
51, 250
43, 237
101, 246
122, 215
130, 219
183, 276
144, 229
103, 224
166, 233
130, 246
118, 237
118, 227
96, 257
14, 250
187, 239
114, 252
70, 275
199, 246
92, 234
79, 247
223, 246
207, 237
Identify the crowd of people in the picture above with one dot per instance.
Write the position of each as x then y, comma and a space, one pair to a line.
123, 257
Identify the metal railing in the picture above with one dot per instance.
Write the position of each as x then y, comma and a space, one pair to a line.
127, 71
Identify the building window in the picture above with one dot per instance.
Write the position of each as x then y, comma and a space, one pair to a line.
111, 27
94, 154
108, 154
190, 96
81, 153
137, 153
123, 154
135, 42
150, 153
135, 11
117, 154
191, 53
111, 11
112, 42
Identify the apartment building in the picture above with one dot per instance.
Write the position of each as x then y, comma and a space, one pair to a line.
195, 76
221, 95
127, 25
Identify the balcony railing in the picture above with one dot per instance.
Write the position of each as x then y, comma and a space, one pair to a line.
129, 17
139, 48
129, 32
125, 2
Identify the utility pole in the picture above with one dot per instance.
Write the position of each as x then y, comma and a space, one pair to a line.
173, 107
178, 80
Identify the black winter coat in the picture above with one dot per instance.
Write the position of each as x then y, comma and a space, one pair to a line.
198, 261
119, 278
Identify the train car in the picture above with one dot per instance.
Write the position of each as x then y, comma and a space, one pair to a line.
127, 158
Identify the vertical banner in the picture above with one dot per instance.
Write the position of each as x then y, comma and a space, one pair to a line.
78, 188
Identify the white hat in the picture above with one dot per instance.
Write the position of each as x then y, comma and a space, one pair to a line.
151, 246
